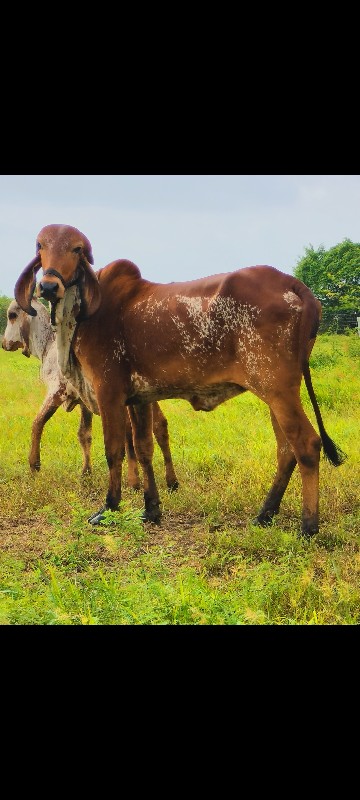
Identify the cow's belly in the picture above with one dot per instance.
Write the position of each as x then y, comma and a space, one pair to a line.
202, 398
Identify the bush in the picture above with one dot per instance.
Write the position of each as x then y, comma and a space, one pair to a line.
4, 304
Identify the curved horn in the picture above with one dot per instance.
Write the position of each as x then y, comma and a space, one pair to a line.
25, 285
89, 290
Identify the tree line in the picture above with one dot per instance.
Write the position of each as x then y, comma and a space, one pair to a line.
334, 277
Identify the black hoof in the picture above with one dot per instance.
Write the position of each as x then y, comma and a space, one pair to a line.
96, 518
263, 520
152, 511
308, 533
309, 526
173, 486
147, 516
35, 467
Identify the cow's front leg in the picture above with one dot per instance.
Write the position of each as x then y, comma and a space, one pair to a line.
113, 422
48, 408
142, 426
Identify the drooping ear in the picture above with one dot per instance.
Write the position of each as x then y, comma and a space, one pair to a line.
89, 291
25, 285
25, 336
88, 251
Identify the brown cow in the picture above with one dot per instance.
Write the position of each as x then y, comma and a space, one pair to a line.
127, 340
35, 336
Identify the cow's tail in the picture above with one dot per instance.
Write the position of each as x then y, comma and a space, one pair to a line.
310, 320
332, 451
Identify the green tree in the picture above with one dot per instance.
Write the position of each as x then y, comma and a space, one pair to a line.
4, 305
333, 275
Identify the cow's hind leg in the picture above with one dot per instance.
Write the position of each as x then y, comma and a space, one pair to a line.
160, 426
286, 463
48, 408
306, 446
133, 471
85, 438
142, 425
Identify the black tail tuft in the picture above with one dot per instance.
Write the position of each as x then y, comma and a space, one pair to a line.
332, 452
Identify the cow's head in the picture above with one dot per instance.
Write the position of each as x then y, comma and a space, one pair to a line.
17, 330
65, 255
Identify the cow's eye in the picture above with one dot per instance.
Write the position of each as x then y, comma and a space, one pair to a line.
12, 315
77, 249
38, 246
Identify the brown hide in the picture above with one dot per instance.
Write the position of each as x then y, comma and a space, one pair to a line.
205, 341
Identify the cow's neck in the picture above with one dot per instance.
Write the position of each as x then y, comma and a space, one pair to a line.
65, 314
65, 328
40, 337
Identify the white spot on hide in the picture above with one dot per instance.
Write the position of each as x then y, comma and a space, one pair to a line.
293, 300
139, 383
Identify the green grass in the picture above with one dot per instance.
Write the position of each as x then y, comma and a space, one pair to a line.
207, 564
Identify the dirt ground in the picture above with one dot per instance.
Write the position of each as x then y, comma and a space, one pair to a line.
185, 537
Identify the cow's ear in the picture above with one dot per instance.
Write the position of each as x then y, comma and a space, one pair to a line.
25, 285
89, 290
88, 251
25, 335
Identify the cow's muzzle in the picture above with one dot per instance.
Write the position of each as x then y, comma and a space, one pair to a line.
48, 290
10, 346
54, 290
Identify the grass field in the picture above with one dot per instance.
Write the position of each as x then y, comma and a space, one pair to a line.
207, 564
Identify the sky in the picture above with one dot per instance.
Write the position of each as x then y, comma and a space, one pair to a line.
179, 227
